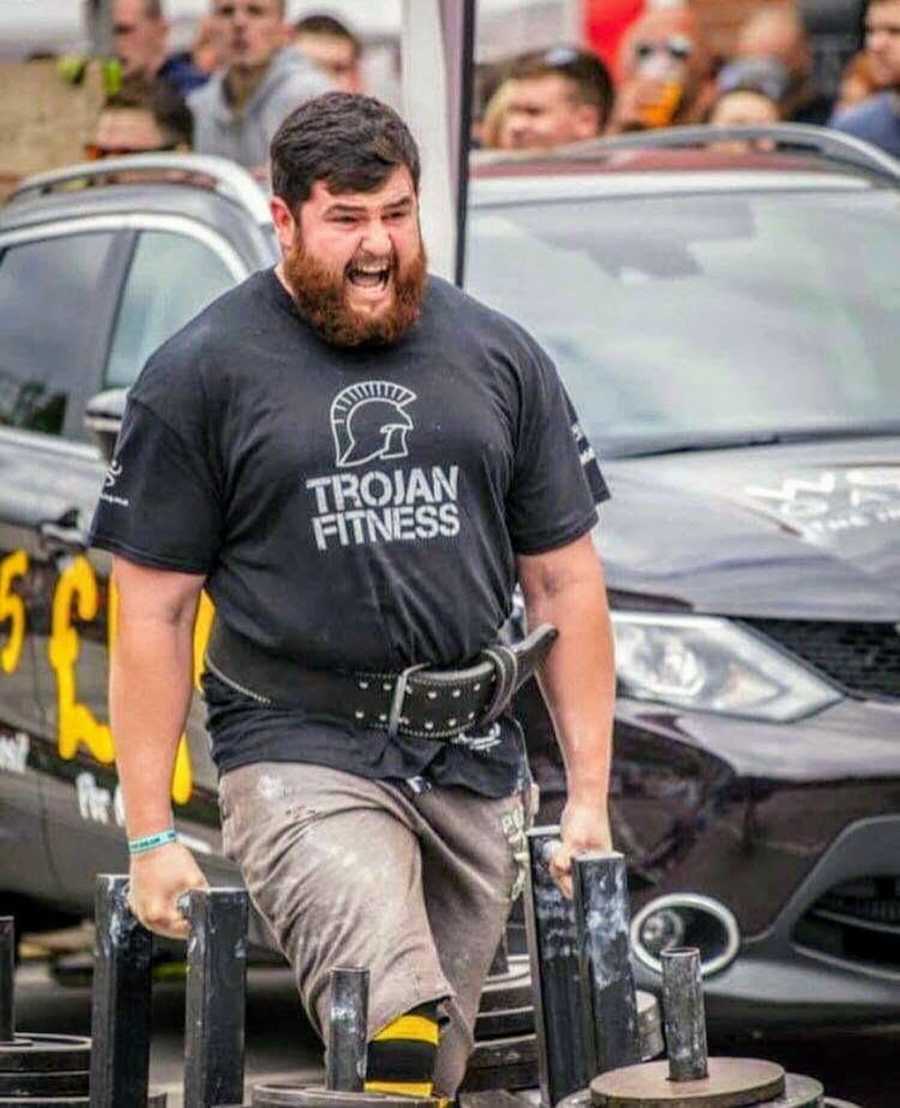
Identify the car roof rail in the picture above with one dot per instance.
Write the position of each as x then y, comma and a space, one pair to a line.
221, 175
832, 145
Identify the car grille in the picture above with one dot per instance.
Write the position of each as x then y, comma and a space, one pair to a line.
858, 921
864, 658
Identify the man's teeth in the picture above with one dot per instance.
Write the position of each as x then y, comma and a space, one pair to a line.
369, 276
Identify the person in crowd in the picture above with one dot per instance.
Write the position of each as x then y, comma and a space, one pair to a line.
748, 95
140, 36
858, 82
877, 120
776, 31
332, 441
749, 92
333, 47
138, 124
666, 70
549, 98
205, 46
262, 80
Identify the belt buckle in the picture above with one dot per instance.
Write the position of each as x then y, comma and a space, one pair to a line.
398, 696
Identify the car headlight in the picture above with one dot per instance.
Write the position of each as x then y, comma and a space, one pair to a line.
712, 665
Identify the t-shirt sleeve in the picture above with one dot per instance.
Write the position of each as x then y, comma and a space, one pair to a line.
158, 505
557, 483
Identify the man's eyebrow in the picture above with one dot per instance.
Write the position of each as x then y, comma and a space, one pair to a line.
343, 208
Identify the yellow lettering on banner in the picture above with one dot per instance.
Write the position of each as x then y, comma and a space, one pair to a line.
12, 608
183, 774
76, 725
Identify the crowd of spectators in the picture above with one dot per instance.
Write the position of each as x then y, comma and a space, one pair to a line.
248, 67
667, 74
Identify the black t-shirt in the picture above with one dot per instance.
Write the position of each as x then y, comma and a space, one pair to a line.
357, 509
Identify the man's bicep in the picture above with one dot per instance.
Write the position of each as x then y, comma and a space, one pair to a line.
148, 593
546, 574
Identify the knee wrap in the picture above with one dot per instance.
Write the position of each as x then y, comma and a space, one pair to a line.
401, 1056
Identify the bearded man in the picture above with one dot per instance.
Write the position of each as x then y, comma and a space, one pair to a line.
356, 460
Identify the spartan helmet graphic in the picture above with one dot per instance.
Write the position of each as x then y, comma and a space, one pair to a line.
368, 421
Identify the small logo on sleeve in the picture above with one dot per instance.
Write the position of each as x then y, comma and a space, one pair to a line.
112, 475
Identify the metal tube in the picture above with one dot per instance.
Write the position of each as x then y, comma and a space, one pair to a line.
564, 1046
684, 1014
7, 979
120, 1012
345, 1062
602, 923
215, 997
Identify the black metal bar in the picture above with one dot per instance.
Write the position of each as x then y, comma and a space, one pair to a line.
602, 922
7, 979
467, 92
215, 997
120, 1013
684, 1014
345, 1062
563, 1046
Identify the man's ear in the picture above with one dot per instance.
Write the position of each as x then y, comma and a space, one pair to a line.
285, 224
586, 121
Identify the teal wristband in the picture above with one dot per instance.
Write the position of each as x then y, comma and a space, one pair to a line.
151, 842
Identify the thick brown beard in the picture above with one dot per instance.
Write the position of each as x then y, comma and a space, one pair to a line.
321, 300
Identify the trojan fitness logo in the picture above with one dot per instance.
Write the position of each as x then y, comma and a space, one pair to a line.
369, 421
365, 501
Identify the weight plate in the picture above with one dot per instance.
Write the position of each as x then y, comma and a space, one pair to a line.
502, 1064
312, 1096
799, 1092
40, 1053
45, 1083
508, 990
650, 1025
155, 1100
503, 1023
581, 1099
45, 1102
732, 1083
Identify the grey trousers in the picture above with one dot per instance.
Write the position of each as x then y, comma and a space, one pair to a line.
415, 887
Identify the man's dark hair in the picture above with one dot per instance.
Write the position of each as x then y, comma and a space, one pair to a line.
328, 25
173, 117
153, 9
350, 142
590, 78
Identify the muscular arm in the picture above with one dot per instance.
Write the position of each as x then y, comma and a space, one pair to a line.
149, 697
565, 587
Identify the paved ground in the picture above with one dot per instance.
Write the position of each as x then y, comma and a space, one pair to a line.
861, 1066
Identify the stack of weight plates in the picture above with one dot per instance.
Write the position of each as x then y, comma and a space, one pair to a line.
505, 1055
49, 1071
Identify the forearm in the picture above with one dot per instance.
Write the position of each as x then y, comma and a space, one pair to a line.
150, 695
578, 682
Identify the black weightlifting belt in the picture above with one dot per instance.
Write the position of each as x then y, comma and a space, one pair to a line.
420, 701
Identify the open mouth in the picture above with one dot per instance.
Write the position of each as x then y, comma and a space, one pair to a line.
370, 276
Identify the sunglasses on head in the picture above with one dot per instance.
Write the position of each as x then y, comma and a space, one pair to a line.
677, 47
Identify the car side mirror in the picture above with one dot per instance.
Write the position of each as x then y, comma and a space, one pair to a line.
103, 418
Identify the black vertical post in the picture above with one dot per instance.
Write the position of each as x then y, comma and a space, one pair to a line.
602, 922
215, 997
7, 979
345, 1065
684, 1014
467, 95
120, 1013
562, 1045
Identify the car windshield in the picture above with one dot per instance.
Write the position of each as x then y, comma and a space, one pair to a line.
695, 318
